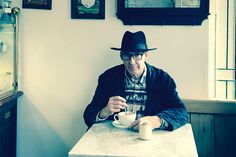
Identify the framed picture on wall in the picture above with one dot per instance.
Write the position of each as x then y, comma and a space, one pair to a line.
88, 9
37, 4
162, 12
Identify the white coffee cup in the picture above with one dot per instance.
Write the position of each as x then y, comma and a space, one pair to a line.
125, 118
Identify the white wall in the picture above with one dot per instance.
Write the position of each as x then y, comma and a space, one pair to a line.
61, 58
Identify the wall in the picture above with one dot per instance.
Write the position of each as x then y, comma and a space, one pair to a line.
61, 58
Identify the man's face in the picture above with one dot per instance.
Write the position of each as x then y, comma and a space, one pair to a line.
135, 64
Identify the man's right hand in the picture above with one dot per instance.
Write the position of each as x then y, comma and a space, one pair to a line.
115, 104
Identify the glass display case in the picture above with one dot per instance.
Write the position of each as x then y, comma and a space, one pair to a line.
9, 30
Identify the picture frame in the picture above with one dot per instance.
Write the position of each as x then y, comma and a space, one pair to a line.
37, 4
162, 12
88, 9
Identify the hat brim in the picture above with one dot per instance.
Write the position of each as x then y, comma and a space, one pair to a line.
134, 50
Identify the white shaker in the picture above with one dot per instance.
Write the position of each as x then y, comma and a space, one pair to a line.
145, 130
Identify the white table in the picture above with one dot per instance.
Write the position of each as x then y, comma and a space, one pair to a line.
103, 139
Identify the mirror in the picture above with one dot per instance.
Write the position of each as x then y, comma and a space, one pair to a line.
162, 12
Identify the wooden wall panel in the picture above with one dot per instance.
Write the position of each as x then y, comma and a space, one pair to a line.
211, 106
203, 130
225, 132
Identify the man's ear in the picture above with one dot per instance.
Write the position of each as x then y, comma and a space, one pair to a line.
146, 54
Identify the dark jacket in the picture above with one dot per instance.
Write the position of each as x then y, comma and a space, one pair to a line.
162, 98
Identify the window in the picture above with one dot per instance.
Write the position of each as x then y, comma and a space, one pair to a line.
222, 44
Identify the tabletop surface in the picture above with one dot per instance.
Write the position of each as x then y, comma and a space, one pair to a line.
103, 139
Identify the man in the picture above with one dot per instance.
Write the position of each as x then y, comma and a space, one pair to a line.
137, 86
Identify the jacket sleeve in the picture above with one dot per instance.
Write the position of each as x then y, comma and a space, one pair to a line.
176, 117
99, 101
175, 112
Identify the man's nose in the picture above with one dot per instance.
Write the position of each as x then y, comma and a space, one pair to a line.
132, 60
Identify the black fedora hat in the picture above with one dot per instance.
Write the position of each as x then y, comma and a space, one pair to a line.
133, 42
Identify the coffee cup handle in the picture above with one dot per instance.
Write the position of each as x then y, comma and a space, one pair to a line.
116, 117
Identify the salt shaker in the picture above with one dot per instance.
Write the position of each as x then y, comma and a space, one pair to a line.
145, 130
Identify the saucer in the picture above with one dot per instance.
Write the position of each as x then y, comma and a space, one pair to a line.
116, 124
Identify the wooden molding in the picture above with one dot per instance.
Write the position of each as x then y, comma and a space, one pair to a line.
210, 106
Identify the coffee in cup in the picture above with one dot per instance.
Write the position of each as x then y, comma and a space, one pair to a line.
125, 118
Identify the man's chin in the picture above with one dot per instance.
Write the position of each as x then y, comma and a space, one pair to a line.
133, 74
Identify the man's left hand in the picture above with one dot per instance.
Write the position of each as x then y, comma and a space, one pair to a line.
154, 120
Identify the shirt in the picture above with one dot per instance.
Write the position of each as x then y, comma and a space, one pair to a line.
136, 93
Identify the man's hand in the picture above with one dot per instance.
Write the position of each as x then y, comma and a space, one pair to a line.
154, 120
115, 104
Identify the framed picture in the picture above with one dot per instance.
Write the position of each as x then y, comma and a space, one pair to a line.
37, 4
162, 12
88, 9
